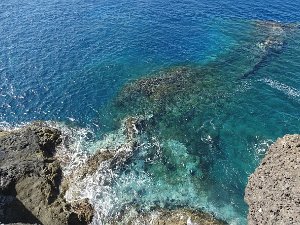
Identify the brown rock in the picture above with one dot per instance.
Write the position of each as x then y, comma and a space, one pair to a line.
273, 190
170, 217
31, 180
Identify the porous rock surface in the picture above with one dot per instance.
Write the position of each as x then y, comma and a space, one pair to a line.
162, 216
30, 179
273, 190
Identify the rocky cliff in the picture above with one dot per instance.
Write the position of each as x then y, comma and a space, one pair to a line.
273, 190
30, 180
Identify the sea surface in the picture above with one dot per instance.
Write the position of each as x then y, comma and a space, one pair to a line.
219, 80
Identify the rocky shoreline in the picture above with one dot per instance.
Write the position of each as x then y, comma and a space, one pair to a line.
32, 185
31, 189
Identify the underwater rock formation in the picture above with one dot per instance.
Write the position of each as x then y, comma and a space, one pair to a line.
159, 86
273, 192
30, 180
187, 103
191, 84
272, 44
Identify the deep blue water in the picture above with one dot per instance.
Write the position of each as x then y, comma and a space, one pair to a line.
66, 60
63, 59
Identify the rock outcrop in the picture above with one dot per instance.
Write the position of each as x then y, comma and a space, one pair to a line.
30, 180
273, 190
113, 154
170, 217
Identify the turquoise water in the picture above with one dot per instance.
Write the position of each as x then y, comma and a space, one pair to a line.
217, 83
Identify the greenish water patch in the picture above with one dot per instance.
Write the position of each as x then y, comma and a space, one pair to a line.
207, 127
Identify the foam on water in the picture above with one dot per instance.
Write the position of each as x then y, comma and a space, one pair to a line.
291, 92
74, 148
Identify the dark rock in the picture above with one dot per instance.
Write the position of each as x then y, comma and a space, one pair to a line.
159, 86
30, 179
9, 205
273, 190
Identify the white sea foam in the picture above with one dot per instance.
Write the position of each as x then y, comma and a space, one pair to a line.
5, 126
74, 148
287, 90
262, 146
97, 187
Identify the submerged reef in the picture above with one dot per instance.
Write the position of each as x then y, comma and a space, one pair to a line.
197, 85
187, 105
273, 192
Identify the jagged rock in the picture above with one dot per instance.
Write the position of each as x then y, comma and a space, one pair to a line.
273, 190
31, 178
113, 155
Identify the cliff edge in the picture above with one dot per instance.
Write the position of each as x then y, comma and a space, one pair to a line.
30, 180
273, 190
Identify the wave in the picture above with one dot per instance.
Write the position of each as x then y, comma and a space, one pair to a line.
291, 92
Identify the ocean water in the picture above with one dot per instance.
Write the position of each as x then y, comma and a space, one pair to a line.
217, 81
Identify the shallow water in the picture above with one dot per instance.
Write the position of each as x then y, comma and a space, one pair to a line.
80, 63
